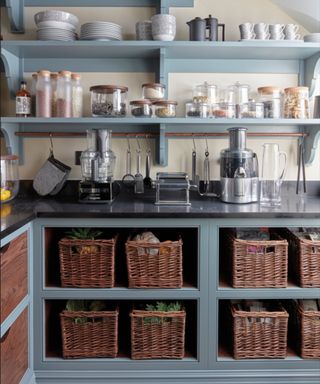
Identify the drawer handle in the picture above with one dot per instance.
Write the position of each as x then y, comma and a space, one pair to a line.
3, 338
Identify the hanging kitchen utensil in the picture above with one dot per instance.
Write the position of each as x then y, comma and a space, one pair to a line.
128, 179
195, 177
52, 176
138, 186
206, 169
301, 164
147, 180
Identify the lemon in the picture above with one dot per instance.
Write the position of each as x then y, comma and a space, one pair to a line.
4, 194
5, 210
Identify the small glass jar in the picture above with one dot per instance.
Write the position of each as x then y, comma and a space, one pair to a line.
271, 99
43, 94
9, 177
141, 108
77, 95
238, 93
251, 109
153, 91
296, 103
54, 98
201, 110
165, 108
109, 100
224, 110
64, 94
205, 93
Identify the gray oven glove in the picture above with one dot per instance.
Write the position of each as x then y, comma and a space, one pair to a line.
48, 177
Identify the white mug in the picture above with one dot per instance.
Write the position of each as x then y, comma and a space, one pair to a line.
276, 28
246, 27
260, 28
291, 28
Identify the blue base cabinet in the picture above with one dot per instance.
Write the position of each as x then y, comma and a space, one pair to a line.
206, 362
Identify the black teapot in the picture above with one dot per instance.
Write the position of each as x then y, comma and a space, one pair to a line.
199, 27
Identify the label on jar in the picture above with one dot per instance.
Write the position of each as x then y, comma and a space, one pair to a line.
23, 105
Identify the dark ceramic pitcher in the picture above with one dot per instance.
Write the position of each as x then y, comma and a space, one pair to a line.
197, 30
212, 25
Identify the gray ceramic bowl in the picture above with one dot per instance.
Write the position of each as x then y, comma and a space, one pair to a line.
54, 15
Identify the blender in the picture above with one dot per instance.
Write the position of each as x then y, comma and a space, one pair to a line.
97, 167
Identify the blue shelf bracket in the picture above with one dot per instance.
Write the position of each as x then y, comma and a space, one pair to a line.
162, 146
13, 70
311, 143
13, 142
163, 72
16, 15
312, 72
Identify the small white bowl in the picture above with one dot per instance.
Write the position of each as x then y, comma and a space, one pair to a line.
55, 15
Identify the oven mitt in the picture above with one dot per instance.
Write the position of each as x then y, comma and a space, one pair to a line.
64, 168
51, 175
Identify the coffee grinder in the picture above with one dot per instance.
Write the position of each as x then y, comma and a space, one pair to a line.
97, 167
238, 170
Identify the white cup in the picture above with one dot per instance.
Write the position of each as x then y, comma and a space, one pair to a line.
276, 28
291, 28
261, 28
246, 27
292, 37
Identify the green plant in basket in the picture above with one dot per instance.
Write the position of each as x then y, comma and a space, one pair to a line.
84, 306
160, 306
84, 234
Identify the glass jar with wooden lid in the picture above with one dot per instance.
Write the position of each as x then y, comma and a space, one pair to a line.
296, 103
109, 100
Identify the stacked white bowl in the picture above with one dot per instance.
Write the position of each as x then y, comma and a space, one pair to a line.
56, 25
312, 38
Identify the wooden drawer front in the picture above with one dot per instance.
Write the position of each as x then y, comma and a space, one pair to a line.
14, 274
14, 351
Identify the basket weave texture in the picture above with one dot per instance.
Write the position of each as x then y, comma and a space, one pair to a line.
97, 337
157, 335
309, 333
259, 264
154, 265
260, 334
87, 263
305, 256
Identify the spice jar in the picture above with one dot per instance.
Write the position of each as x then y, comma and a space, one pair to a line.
271, 99
64, 94
205, 93
224, 110
54, 98
77, 95
165, 108
108, 101
251, 109
33, 92
141, 108
296, 103
197, 110
43, 94
153, 91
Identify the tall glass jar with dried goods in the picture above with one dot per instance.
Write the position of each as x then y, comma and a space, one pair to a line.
33, 91
64, 94
54, 80
77, 95
43, 94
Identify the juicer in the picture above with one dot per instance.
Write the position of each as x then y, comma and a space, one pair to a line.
97, 167
238, 170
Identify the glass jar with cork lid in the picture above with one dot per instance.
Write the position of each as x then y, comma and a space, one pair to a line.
109, 100
296, 103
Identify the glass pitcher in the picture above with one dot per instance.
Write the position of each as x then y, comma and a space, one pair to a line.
272, 175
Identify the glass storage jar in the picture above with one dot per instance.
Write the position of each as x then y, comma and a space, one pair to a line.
238, 93
224, 110
54, 80
141, 108
251, 109
201, 110
153, 91
109, 100
271, 99
205, 93
296, 103
43, 94
9, 177
77, 95
165, 108
64, 94
33, 91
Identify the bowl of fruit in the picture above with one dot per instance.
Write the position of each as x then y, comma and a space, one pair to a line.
9, 177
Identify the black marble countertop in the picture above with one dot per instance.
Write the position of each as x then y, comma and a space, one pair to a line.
24, 209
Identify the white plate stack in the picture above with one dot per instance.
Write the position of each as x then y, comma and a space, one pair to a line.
312, 38
101, 30
56, 25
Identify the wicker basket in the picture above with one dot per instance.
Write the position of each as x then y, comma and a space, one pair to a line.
260, 334
96, 337
161, 337
305, 258
154, 265
87, 263
309, 329
258, 264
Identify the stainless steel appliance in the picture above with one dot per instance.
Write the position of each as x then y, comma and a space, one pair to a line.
238, 170
172, 188
97, 167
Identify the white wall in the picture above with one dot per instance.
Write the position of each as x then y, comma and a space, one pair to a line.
230, 12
